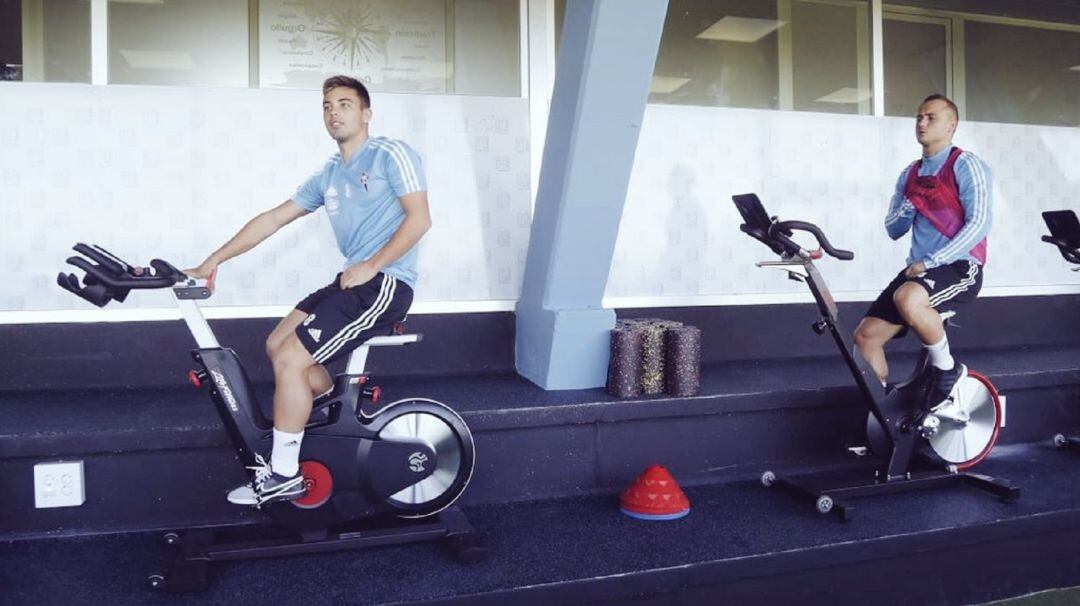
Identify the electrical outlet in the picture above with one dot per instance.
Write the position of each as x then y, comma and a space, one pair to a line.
1001, 398
59, 484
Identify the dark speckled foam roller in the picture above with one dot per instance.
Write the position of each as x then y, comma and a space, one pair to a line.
683, 372
624, 369
652, 359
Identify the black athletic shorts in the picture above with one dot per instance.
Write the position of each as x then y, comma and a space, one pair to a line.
949, 286
339, 320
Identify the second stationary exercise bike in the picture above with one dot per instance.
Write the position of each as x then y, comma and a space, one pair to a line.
1065, 235
366, 464
917, 447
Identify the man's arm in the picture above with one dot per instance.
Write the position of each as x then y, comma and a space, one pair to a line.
973, 179
417, 221
901, 213
250, 235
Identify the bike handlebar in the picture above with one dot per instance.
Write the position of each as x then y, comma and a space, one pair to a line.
111, 278
776, 231
777, 234
1072, 255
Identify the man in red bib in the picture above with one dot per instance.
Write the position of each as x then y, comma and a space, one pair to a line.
944, 200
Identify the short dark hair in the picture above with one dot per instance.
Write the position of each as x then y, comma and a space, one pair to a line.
347, 82
948, 101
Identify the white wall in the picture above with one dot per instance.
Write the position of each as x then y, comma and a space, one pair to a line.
173, 172
679, 235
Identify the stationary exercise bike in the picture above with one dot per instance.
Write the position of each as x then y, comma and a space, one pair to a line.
1065, 235
916, 447
365, 464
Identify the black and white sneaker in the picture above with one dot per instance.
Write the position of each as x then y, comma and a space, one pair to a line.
943, 397
267, 486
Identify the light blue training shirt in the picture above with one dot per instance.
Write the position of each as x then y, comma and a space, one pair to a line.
361, 199
928, 245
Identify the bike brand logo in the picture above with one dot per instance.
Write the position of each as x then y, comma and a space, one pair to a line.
226, 391
416, 461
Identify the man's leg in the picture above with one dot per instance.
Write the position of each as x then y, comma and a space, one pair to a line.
870, 338
292, 391
281, 478
318, 377
913, 301
881, 323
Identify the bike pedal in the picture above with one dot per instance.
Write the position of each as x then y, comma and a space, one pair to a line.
929, 426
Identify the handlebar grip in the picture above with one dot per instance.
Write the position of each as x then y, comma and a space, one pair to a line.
102, 257
1072, 255
110, 278
163, 268
99, 274
94, 293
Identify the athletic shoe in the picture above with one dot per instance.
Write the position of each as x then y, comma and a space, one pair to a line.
267, 486
943, 396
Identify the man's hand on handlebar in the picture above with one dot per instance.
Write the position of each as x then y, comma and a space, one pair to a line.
204, 271
917, 268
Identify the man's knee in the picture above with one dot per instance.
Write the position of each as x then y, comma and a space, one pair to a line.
288, 354
910, 299
273, 343
285, 329
867, 338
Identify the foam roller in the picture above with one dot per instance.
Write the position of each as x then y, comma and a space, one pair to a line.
624, 370
683, 360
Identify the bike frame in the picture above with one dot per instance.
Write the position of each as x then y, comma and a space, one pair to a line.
331, 431
888, 405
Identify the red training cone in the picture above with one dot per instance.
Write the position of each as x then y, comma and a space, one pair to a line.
654, 495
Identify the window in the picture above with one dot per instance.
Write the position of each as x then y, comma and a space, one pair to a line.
1019, 73
918, 61
1001, 61
424, 46
45, 40
187, 43
811, 55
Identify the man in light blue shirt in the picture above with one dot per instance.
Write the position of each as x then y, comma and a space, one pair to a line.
375, 194
944, 200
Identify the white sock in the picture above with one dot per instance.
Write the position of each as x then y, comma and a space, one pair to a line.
939, 354
285, 457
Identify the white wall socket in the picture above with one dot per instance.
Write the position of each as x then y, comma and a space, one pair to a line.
59, 484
